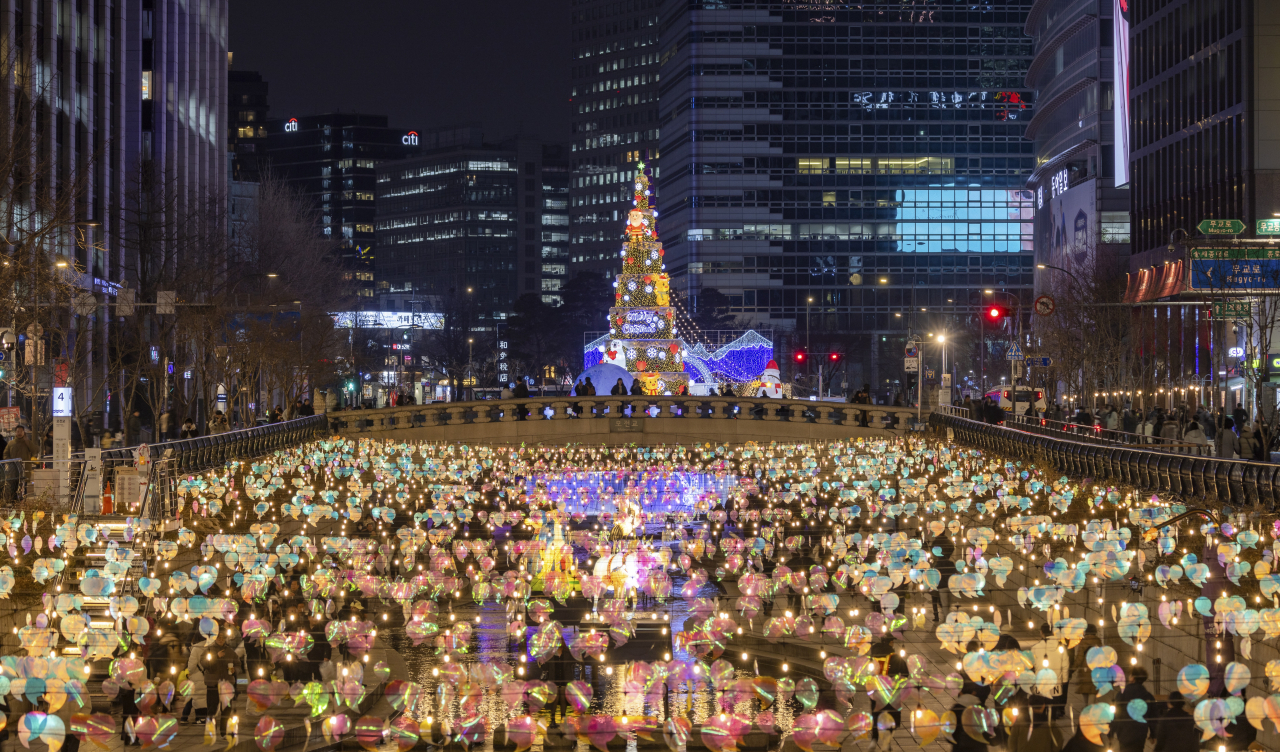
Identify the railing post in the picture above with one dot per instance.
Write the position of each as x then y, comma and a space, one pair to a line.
482, 413
614, 408
827, 414
719, 409
770, 410
510, 412
457, 416
560, 411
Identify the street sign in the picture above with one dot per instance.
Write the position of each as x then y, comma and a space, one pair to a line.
1269, 226
62, 402
911, 365
1220, 227
946, 381
1039, 362
1256, 270
929, 374
1018, 369
1232, 309
1015, 353
1045, 305
913, 351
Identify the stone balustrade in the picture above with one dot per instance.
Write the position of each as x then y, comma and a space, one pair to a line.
627, 419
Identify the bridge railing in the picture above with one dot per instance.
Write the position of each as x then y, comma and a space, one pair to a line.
606, 408
1237, 482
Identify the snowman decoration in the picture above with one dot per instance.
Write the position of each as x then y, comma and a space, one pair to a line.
613, 354
771, 381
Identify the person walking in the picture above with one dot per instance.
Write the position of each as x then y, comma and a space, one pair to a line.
219, 664
1195, 435
1250, 448
1228, 444
944, 550
1085, 685
1128, 735
1033, 730
1175, 729
133, 429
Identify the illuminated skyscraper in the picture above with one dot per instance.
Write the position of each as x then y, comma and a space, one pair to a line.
869, 157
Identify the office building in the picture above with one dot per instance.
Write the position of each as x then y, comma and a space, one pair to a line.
331, 160
1082, 218
615, 122
1201, 146
175, 80
111, 97
871, 160
1201, 125
467, 213
247, 110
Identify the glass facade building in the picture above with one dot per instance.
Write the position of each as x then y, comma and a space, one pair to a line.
330, 159
869, 156
492, 217
615, 73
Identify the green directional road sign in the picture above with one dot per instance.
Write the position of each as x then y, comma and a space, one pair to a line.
1269, 226
1221, 227
1232, 309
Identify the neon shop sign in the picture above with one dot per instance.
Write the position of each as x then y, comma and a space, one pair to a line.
410, 139
642, 322
291, 126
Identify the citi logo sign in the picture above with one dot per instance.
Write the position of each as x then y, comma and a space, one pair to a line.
411, 139
291, 126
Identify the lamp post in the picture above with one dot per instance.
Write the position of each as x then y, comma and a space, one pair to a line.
808, 304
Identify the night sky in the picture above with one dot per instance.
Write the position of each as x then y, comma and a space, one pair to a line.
426, 64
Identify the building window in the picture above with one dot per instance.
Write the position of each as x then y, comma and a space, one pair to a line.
917, 166
1115, 227
146, 85
811, 165
845, 165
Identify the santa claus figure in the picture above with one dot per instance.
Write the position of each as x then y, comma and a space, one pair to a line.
771, 381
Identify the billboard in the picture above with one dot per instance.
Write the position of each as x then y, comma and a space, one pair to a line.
387, 320
1066, 222
1121, 50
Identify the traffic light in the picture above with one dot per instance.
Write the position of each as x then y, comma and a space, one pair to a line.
995, 312
834, 357
800, 356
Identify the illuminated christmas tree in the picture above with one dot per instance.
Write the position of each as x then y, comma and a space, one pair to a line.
642, 333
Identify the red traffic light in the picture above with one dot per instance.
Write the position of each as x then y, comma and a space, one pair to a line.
997, 312
835, 357
799, 357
